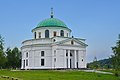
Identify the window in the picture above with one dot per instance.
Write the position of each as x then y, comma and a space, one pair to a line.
70, 54
42, 53
42, 62
54, 34
26, 62
66, 52
54, 52
72, 42
39, 34
67, 34
54, 59
82, 60
61, 33
54, 40
27, 55
35, 35
46, 33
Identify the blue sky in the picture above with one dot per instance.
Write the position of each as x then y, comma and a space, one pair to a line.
98, 21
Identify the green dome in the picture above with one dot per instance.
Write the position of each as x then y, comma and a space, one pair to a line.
51, 22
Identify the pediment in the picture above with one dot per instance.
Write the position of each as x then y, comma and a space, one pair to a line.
71, 41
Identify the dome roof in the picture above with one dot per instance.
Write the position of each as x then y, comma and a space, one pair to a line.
51, 22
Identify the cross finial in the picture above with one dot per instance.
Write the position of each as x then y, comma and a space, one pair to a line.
51, 13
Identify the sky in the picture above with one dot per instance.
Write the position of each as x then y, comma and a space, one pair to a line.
97, 21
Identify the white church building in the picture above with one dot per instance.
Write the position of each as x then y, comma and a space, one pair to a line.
53, 47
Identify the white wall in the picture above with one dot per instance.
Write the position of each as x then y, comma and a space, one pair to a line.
34, 58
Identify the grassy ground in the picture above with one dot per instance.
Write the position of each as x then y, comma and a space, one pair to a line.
55, 75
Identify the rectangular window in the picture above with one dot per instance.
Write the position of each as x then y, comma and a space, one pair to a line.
54, 33
67, 34
39, 34
66, 52
26, 62
54, 59
35, 35
54, 52
42, 53
42, 62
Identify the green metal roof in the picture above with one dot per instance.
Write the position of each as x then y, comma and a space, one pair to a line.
51, 22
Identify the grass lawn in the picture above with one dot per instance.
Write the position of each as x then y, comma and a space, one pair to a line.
56, 75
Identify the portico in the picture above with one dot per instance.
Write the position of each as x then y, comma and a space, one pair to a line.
73, 59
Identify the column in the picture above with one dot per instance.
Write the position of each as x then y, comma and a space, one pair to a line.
68, 58
79, 61
22, 64
75, 59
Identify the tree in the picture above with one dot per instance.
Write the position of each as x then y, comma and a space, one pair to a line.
2, 54
16, 57
9, 58
95, 63
13, 58
116, 57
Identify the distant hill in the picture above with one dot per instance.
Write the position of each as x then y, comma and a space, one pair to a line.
104, 63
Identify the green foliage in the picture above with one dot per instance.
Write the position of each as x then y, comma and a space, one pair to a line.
94, 65
2, 54
16, 57
13, 58
9, 58
2, 59
116, 57
102, 64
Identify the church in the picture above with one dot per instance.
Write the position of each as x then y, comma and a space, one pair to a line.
53, 47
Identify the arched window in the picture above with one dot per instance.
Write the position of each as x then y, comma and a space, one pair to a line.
46, 33
27, 55
72, 42
61, 33
35, 35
